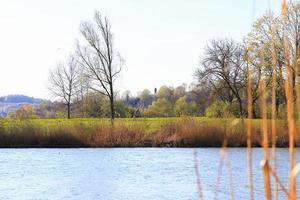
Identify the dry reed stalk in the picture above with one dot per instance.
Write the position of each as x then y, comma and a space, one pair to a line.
223, 159
297, 85
221, 163
228, 165
274, 174
199, 188
249, 135
274, 85
290, 103
267, 181
294, 173
218, 178
297, 82
297, 130
265, 161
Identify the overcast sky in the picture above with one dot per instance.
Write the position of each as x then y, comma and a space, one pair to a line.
161, 40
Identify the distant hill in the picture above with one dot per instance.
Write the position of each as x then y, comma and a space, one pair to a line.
19, 99
11, 103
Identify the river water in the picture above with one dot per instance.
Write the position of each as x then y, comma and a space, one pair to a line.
130, 173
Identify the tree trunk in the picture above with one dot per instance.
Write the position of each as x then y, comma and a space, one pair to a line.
241, 107
112, 110
69, 115
254, 111
112, 105
281, 82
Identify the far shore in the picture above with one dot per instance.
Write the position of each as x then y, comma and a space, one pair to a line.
139, 132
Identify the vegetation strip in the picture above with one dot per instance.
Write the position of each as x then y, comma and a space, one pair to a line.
140, 132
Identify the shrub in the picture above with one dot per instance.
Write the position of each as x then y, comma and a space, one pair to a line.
24, 112
184, 108
159, 108
218, 109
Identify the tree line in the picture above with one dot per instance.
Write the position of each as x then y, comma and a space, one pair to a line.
226, 64
94, 65
85, 82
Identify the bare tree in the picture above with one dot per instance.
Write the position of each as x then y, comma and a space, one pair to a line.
82, 91
64, 81
224, 69
98, 57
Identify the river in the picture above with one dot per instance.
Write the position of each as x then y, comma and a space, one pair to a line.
129, 173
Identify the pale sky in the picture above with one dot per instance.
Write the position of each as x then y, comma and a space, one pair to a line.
161, 40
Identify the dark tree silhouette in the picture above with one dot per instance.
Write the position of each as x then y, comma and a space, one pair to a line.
224, 69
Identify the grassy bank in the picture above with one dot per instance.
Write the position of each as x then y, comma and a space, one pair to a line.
140, 132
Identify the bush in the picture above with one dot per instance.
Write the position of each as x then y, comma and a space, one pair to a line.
159, 108
24, 112
184, 108
218, 109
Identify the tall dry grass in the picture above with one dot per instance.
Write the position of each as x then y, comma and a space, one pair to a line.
180, 132
264, 127
31, 135
249, 135
274, 113
289, 88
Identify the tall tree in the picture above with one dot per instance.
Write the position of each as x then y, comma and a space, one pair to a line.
180, 91
64, 82
264, 37
265, 48
145, 98
82, 94
167, 93
222, 66
293, 26
99, 58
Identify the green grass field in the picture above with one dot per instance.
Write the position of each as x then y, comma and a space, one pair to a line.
153, 123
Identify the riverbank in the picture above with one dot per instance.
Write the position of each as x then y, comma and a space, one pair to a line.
140, 132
